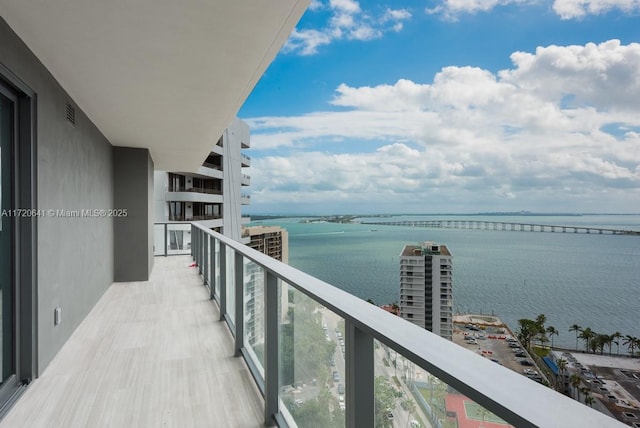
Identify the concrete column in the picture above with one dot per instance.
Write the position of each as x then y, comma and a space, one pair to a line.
133, 228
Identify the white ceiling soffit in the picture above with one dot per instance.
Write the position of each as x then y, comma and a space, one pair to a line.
168, 75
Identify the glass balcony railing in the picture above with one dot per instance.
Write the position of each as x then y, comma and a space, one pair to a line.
322, 357
171, 239
194, 190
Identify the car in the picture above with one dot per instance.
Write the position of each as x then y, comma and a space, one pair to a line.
340, 389
521, 355
336, 376
526, 363
414, 424
390, 416
529, 371
342, 406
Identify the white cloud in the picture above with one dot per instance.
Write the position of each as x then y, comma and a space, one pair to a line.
306, 42
452, 9
559, 130
566, 9
348, 21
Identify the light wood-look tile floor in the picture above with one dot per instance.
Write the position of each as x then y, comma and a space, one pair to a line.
150, 354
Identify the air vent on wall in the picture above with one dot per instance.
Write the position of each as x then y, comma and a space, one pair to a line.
70, 113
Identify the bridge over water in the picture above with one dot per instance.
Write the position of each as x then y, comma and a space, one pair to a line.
504, 225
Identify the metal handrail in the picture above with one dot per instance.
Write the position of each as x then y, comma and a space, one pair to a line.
509, 395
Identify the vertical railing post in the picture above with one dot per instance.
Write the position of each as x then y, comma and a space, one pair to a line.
239, 302
200, 233
205, 257
194, 244
212, 266
166, 233
360, 380
271, 338
223, 281
193, 234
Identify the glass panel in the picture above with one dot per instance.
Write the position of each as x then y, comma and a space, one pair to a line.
6, 239
158, 240
408, 396
312, 366
179, 238
217, 264
231, 295
254, 327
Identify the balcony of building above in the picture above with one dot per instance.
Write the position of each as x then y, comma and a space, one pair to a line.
245, 180
245, 199
210, 170
217, 149
177, 218
245, 160
194, 194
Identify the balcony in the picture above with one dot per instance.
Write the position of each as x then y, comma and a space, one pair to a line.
149, 354
159, 353
245, 160
246, 180
195, 189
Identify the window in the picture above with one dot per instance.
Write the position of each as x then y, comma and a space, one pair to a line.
176, 182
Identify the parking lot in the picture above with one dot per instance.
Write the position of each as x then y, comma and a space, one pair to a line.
498, 344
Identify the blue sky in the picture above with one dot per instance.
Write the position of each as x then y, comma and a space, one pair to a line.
451, 106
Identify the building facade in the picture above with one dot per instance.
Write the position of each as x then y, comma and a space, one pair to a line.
274, 242
270, 240
213, 195
426, 287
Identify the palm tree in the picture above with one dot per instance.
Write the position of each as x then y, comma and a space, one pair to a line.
541, 319
588, 400
551, 330
631, 342
585, 391
575, 382
562, 366
615, 338
577, 329
528, 330
608, 341
587, 334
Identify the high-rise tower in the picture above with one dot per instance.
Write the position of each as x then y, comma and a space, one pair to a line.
426, 286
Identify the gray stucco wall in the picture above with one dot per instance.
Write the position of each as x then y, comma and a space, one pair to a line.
133, 234
74, 172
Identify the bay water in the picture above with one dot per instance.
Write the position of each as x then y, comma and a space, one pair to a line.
591, 280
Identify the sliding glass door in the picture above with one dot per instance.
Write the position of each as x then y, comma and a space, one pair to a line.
8, 129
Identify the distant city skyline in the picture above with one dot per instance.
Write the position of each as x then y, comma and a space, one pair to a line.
451, 107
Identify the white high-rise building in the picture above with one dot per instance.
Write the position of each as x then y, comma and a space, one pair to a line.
212, 194
426, 286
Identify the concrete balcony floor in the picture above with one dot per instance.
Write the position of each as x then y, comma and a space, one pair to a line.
149, 354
